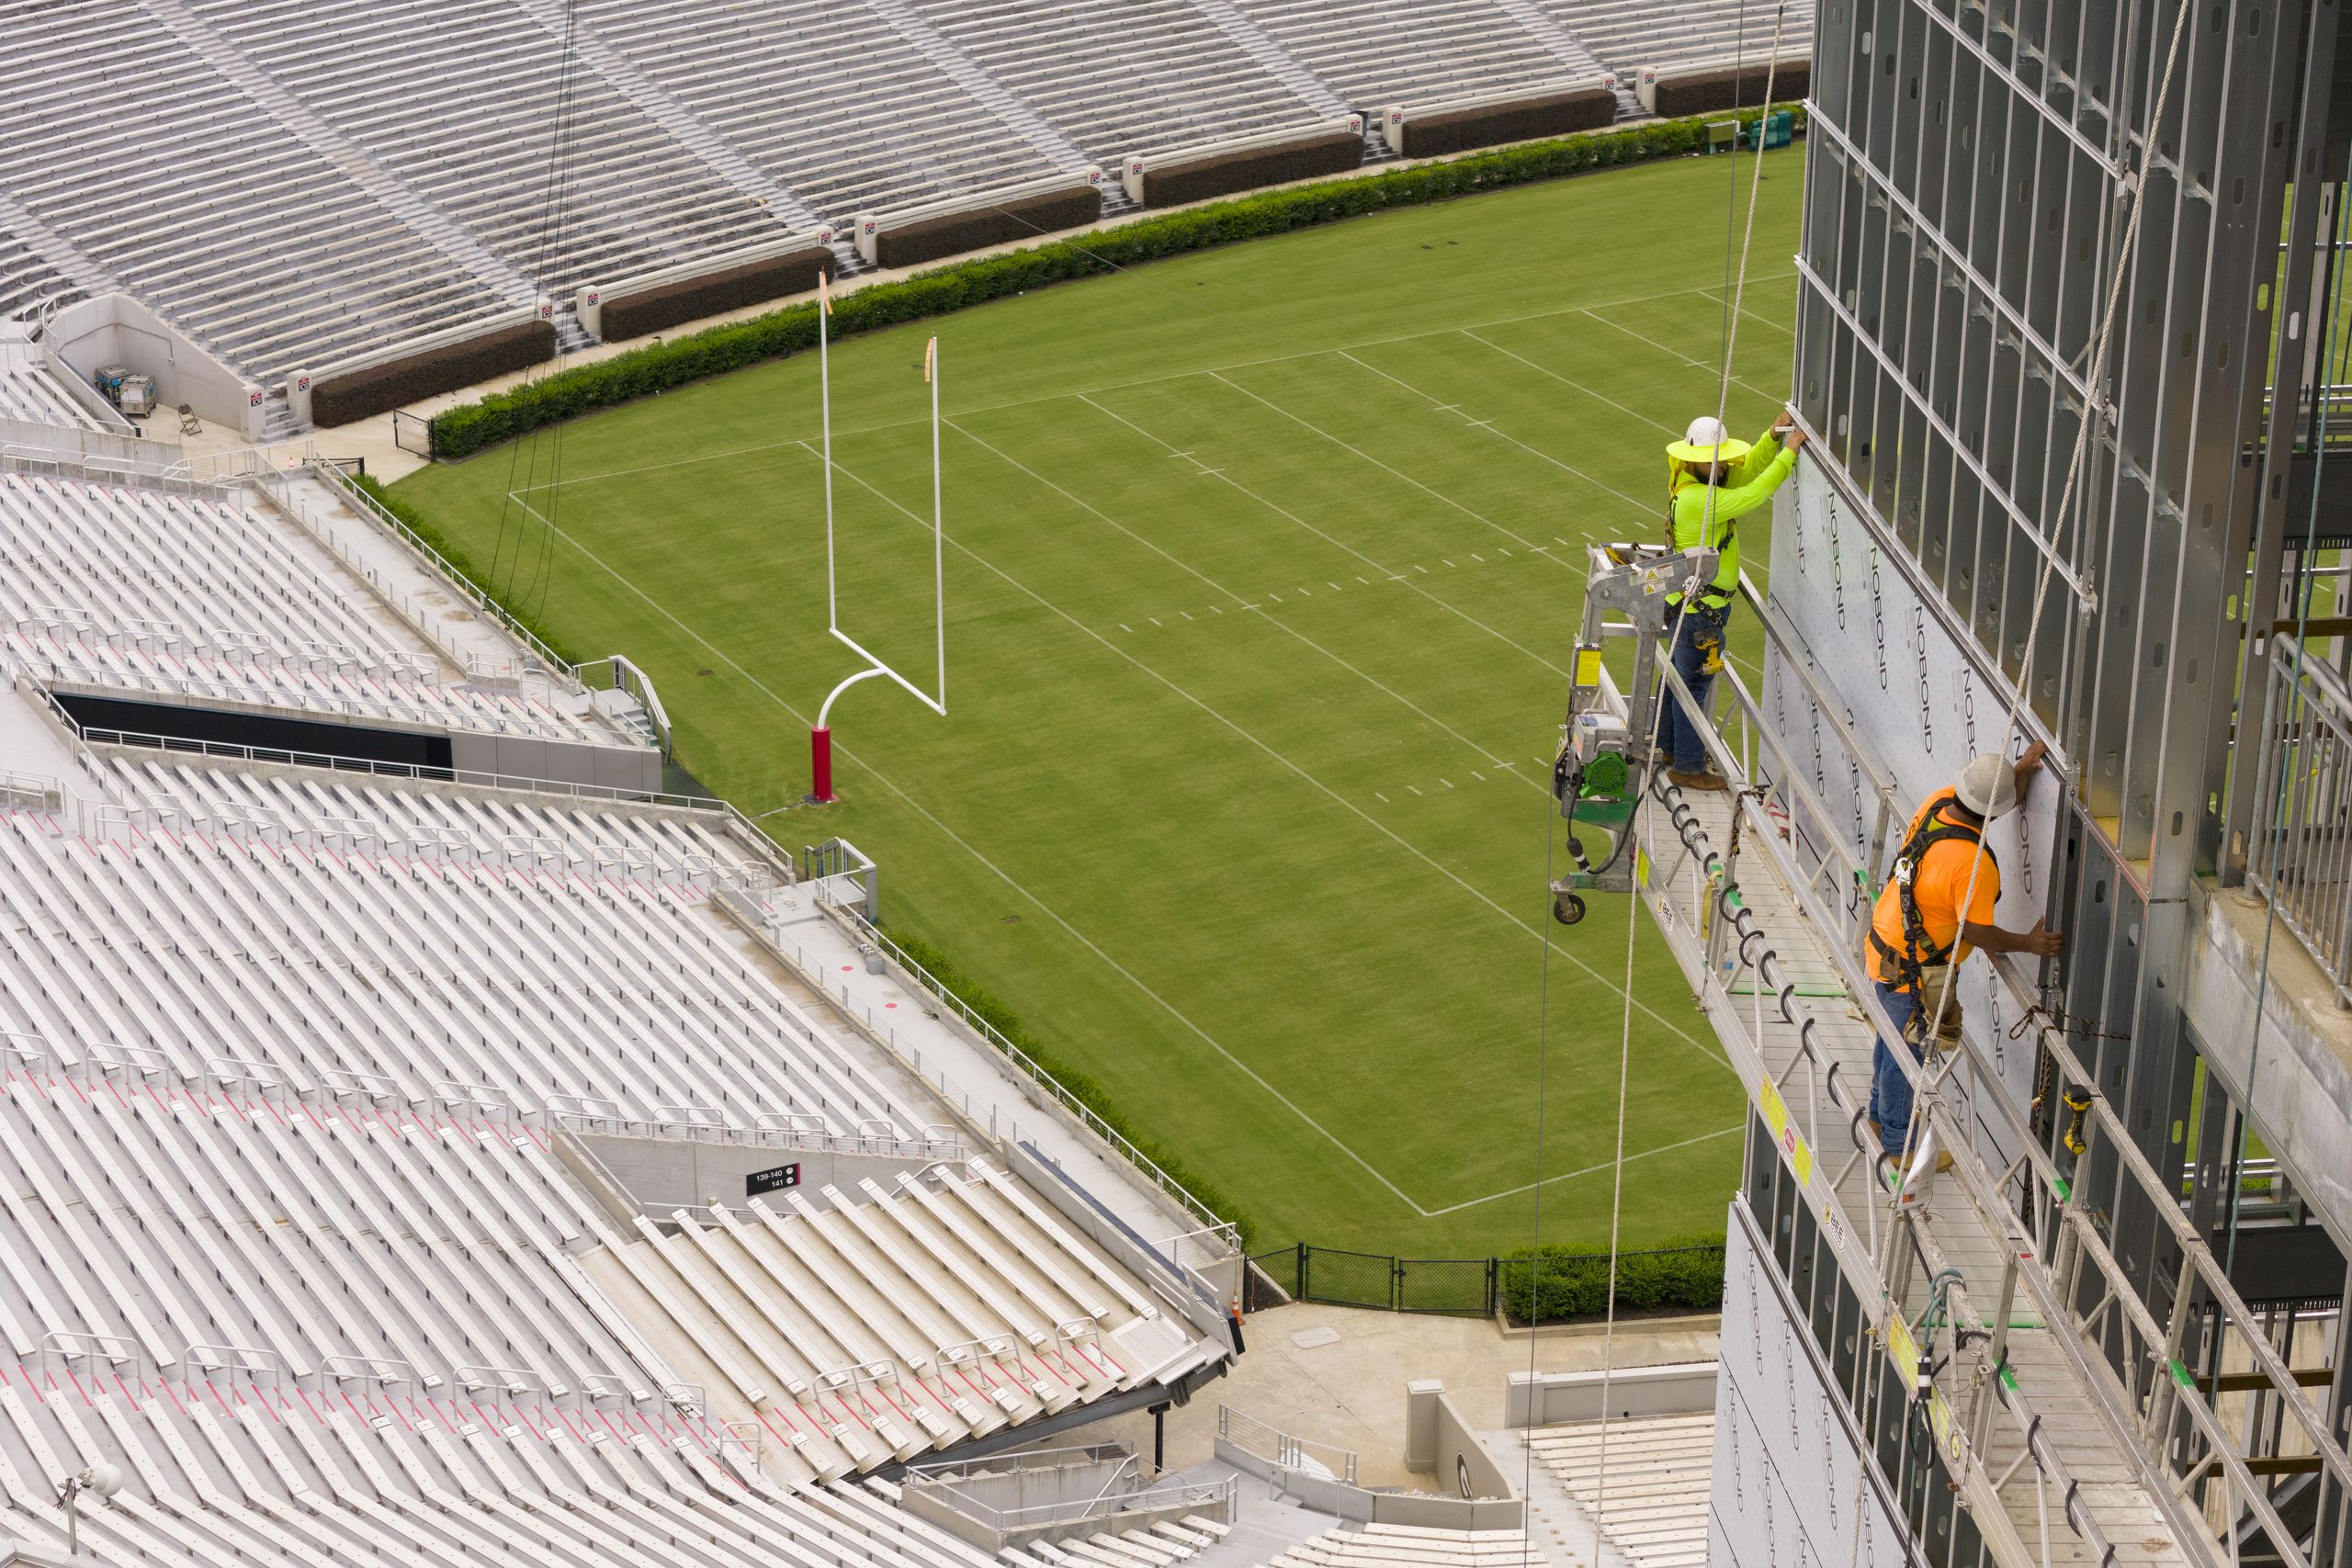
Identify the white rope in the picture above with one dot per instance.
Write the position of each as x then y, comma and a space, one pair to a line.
1649, 776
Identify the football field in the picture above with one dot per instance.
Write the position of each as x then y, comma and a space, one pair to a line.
1263, 566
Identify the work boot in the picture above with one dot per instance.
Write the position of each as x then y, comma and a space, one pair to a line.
1704, 780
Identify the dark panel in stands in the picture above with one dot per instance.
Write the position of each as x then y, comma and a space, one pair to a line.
263, 732
1704, 92
1197, 179
713, 293
951, 233
339, 399
1523, 120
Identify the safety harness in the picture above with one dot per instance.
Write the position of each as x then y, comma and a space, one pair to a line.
1918, 951
1725, 529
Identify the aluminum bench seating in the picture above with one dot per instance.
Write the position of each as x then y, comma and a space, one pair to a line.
1376, 52
1682, 32
425, 980
1159, 74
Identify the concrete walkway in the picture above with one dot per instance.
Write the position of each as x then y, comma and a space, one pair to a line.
1337, 1375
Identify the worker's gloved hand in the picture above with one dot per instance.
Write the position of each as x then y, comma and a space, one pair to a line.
2043, 942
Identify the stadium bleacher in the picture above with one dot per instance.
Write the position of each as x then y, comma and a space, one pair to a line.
392, 1166
303, 187
183, 595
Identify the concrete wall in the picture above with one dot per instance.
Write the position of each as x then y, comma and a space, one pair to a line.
1055, 1190
662, 1173
1362, 1504
2303, 1090
1026, 1489
88, 446
1541, 1399
115, 329
1439, 1442
567, 762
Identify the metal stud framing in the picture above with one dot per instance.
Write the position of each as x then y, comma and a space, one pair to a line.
1972, 172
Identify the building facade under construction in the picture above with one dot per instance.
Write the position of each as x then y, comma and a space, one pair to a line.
2070, 340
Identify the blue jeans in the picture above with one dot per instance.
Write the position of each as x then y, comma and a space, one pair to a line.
1890, 1090
1698, 656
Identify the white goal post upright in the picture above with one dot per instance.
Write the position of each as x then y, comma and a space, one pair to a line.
820, 737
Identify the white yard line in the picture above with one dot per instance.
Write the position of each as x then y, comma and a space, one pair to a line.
1587, 1170
1097, 512
1504, 530
1489, 424
1717, 294
1354, 810
1687, 360
1150, 382
1572, 386
1337, 544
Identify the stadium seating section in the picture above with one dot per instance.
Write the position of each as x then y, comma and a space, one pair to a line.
438, 1170
314, 184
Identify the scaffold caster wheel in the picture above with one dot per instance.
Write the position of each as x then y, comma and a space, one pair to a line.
1567, 908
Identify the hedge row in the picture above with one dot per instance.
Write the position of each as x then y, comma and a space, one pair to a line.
339, 399
1567, 1282
1079, 1085
459, 561
467, 429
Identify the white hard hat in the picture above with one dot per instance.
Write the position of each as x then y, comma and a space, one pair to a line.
1706, 442
1988, 785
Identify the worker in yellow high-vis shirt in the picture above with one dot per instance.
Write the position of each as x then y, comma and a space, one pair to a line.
1711, 482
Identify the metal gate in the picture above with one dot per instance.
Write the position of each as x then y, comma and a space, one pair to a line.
411, 433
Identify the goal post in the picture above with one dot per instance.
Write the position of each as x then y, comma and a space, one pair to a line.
820, 735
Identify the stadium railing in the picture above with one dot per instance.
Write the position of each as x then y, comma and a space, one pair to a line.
1230, 1238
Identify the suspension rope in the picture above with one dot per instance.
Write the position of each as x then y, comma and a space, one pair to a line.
547, 252
1665, 695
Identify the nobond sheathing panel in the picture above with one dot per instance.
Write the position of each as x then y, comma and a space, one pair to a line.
1197, 179
1788, 1482
339, 399
1912, 695
713, 293
1521, 119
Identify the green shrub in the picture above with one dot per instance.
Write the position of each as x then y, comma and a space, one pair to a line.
1572, 1282
459, 561
468, 428
1077, 1085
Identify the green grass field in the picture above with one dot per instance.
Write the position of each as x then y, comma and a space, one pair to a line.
1263, 567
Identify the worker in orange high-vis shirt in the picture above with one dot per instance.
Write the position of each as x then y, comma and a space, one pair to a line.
1919, 935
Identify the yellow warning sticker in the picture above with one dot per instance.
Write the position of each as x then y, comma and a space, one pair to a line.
1588, 667
1793, 1148
1642, 867
1903, 1348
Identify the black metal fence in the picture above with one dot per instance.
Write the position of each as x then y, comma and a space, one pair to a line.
1566, 1285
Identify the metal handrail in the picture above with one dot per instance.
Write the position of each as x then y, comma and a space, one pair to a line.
2303, 785
1144, 1163
456, 582
1271, 1442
